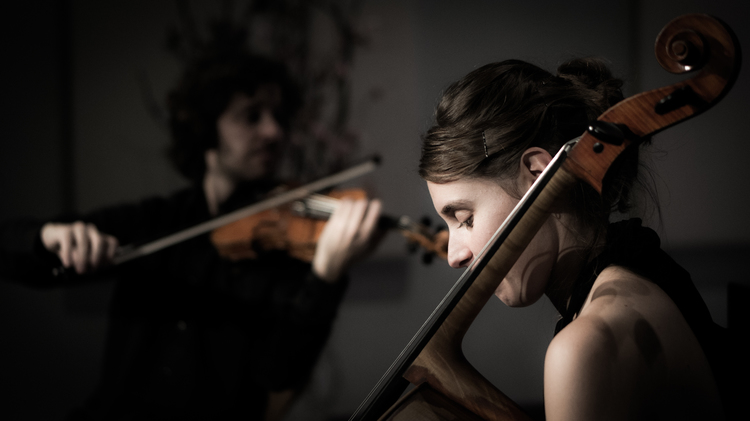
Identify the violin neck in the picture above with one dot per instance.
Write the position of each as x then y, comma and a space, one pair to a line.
320, 206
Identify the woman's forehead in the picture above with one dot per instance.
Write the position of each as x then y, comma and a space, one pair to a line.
463, 191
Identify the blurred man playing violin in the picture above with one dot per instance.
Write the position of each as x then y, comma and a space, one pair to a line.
192, 335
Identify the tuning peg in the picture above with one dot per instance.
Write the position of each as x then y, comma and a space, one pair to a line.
426, 221
427, 258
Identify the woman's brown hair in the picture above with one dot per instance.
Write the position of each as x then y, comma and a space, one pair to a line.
486, 120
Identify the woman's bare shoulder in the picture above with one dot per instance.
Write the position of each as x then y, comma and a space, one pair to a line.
620, 305
581, 371
628, 342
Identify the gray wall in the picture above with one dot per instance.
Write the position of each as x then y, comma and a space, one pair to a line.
52, 339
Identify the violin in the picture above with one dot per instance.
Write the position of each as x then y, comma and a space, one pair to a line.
296, 227
446, 386
238, 232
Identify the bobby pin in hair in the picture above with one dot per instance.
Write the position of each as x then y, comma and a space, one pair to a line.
484, 142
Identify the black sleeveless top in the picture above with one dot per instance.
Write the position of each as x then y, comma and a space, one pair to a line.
637, 248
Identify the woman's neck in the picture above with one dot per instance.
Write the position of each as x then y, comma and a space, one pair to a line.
576, 251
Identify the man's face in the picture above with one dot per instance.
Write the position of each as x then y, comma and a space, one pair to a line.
249, 135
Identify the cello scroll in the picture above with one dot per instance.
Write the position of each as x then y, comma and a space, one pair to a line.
687, 44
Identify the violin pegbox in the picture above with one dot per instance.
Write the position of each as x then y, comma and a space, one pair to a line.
419, 235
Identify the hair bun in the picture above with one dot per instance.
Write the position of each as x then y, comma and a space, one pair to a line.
593, 74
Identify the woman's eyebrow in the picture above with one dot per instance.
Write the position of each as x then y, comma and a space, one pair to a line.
450, 208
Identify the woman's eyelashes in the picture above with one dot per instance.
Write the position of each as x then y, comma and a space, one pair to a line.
468, 222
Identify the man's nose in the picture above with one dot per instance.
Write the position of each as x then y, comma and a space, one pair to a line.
268, 127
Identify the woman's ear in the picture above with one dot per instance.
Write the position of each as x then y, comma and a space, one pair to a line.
533, 162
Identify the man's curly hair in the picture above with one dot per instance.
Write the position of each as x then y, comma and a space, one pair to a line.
203, 93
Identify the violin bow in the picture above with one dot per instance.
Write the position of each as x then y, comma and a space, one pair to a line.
129, 253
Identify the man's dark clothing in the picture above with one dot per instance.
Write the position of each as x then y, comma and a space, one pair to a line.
191, 335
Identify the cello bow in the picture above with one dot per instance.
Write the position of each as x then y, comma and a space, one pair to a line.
447, 386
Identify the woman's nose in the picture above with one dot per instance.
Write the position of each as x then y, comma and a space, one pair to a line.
459, 255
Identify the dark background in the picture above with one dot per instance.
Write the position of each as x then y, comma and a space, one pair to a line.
76, 134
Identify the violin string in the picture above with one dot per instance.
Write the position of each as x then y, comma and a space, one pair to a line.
326, 205
321, 203
323, 199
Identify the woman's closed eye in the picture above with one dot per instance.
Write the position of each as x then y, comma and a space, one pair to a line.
468, 222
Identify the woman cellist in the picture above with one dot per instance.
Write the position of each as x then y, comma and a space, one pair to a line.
635, 340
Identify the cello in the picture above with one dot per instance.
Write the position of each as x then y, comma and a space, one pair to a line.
446, 386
